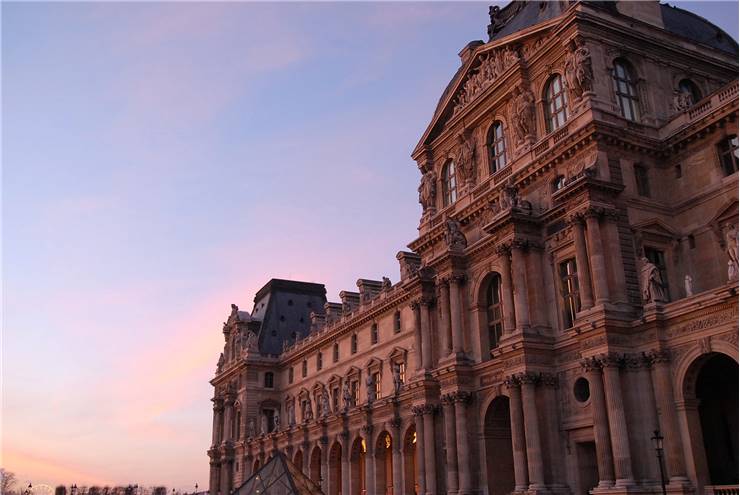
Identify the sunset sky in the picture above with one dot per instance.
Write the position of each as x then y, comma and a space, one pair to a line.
162, 161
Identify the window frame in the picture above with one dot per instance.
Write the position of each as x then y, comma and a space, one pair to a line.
642, 180
494, 311
496, 146
555, 103
449, 183
374, 334
570, 296
269, 377
625, 89
726, 148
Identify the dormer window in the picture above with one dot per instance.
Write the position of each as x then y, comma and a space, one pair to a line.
449, 183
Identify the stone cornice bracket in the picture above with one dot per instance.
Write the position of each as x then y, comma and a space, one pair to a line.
512, 381
590, 364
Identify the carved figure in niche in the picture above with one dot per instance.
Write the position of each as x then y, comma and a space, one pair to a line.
688, 284
465, 159
386, 284
521, 111
731, 249
397, 383
651, 282
455, 238
370, 385
682, 100
346, 395
276, 420
221, 362
731, 271
325, 409
427, 190
251, 428
291, 412
263, 425
308, 411
578, 71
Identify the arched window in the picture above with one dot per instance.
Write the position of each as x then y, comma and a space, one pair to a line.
269, 379
495, 314
626, 90
556, 103
690, 90
496, 147
449, 183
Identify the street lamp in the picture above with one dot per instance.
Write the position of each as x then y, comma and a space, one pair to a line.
196, 488
657, 439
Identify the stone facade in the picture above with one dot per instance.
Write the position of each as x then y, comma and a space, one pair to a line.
572, 289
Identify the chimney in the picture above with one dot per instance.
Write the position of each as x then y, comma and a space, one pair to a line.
645, 11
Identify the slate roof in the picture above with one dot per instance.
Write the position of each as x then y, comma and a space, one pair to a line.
694, 27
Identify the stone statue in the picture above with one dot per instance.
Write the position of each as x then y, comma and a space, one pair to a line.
308, 411
386, 284
465, 159
682, 100
688, 284
494, 14
521, 111
397, 383
291, 412
276, 420
651, 281
263, 425
221, 362
578, 71
250, 428
234, 311
370, 384
455, 238
731, 249
427, 190
346, 395
325, 409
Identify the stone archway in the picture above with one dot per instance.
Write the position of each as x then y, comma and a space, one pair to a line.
499, 454
298, 460
384, 464
712, 380
357, 467
314, 466
335, 469
410, 485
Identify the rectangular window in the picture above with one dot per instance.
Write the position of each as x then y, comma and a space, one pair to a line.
378, 385
641, 181
397, 322
569, 291
402, 372
374, 333
319, 361
657, 258
354, 343
354, 388
290, 375
335, 352
304, 369
728, 155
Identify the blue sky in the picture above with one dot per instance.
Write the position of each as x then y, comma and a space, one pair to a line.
163, 160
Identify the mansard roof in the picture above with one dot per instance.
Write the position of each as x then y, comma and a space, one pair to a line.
694, 27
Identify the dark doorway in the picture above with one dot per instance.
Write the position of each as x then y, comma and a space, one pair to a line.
588, 469
499, 454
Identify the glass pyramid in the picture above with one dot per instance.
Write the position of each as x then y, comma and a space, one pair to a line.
278, 476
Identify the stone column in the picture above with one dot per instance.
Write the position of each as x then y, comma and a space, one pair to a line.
444, 316
584, 271
617, 422
417, 333
456, 315
421, 449
430, 454
614, 253
598, 264
225, 477
552, 429
521, 479
519, 274
507, 292
604, 458
228, 418
213, 485
397, 456
668, 421
369, 460
532, 432
218, 410
463, 451
346, 453
426, 335
306, 459
448, 407
324, 464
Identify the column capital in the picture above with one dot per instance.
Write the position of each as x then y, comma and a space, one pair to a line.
593, 212
575, 219
659, 356
611, 214
443, 281
427, 301
458, 278
462, 396
395, 423
549, 380
414, 304
424, 409
519, 244
591, 364
529, 378
612, 360
503, 249
512, 381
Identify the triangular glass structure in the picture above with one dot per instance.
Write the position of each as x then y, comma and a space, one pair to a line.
278, 476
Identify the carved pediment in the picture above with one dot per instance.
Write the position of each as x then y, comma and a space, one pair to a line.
352, 371
656, 227
397, 355
373, 363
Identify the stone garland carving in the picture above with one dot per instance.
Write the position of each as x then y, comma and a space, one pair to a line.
521, 112
492, 64
454, 237
732, 254
651, 282
427, 190
578, 71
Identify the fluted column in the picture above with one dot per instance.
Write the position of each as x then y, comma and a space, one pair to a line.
668, 421
604, 458
225, 477
463, 450
598, 263
582, 265
444, 317
369, 459
213, 485
416, 308
507, 291
521, 478
519, 274
456, 315
421, 449
617, 422
397, 457
448, 410
430, 454
426, 335
532, 432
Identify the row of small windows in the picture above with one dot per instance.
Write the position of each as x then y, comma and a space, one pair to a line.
374, 339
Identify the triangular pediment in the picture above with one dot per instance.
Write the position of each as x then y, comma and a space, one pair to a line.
656, 226
728, 212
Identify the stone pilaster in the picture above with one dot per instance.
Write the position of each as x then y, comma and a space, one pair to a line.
598, 263
456, 315
416, 308
582, 265
426, 334
448, 409
421, 448
367, 433
519, 274
444, 317
604, 459
397, 455
430, 454
518, 443
617, 421
535, 464
507, 293
462, 399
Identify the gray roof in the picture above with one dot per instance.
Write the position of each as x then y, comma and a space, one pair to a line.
695, 28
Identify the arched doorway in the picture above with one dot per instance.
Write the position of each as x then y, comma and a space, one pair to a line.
384, 464
256, 466
314, 467
499, 454
335, 469
716, 389
410, 486
357, 467
298, 460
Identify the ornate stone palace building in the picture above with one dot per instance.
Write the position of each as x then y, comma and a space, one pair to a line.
572, 289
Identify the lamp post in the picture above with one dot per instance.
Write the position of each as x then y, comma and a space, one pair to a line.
196, 488
657, 439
